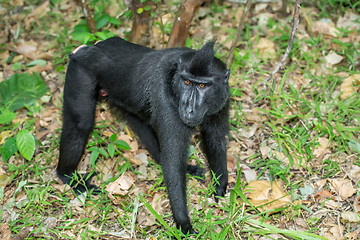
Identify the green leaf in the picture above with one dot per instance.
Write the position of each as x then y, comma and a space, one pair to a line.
111, 149
9, 149
121, 144
140, 10
102, 21
101, 35
40, 62
25, 142
113, 138
114, 21
103, 152
6, 116
81, 28
81, 36
21, 89
93, 157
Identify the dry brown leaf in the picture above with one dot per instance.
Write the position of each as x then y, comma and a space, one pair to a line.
325, 27
321, 149
334, 232
121, 185
265, 151
5, 232
333, 58
231, 162
343, 187
27, 49
357, 204
269, 196
353, 235
321, 183
350, 85
350, 21
350, 217
254, 115
354, 173
250, 174
266, 48
323, 195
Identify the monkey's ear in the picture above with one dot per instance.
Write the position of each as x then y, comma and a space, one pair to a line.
226, 76
207, 49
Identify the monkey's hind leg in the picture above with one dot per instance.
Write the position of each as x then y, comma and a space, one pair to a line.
80, 97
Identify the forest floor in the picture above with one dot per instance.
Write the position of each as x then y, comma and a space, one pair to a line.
293, 151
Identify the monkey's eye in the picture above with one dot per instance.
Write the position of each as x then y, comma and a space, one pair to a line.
187, 82
202, 85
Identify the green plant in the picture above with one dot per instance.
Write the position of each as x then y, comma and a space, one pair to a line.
21, 89
24, 142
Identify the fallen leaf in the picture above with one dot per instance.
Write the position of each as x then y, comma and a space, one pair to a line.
349, 20
121, 185
323, 195
343, 187
333, 58
350, 85
350, 217
265, 151
266, 48
306, 191
4, 180
325, 27
267, 195
3, 136
321, 149
250, 174
5, 232
354, 173
231, 162
79, 201
357, 204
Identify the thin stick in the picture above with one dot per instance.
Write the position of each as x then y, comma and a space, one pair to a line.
295, 22
238, 30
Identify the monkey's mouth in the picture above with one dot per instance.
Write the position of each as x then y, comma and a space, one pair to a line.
191, 120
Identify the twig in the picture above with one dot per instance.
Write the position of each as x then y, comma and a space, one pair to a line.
295, 23
237, 36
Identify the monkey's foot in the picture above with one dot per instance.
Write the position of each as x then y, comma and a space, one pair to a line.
80, 182
195, 171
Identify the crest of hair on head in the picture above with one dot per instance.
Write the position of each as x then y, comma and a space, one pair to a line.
202, 60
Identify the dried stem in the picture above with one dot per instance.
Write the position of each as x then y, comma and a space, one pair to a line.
295, 23
238, 30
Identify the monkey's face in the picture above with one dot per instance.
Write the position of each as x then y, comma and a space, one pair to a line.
201, 96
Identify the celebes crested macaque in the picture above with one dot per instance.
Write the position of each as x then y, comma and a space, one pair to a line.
164, 95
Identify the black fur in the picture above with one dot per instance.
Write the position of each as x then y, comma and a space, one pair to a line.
164, 95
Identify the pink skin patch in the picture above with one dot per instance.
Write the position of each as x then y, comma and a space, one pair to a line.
97, 42
77, 49
103, 92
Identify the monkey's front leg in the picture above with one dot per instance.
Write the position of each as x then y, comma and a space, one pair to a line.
173, 156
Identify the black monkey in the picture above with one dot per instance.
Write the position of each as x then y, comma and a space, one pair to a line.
164, 95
